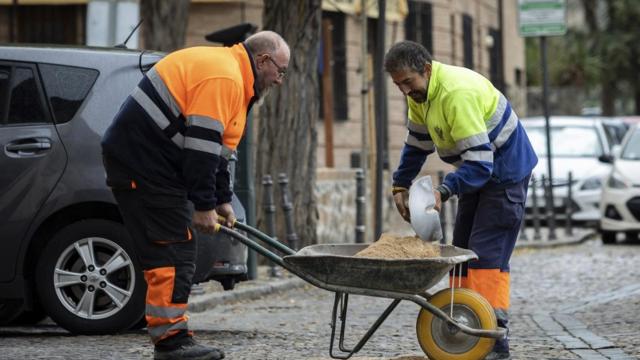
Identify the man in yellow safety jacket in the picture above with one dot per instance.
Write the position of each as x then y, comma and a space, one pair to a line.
473, 127
170, 144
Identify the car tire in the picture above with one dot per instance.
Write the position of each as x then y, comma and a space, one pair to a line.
88, 280
608, 237
140, 324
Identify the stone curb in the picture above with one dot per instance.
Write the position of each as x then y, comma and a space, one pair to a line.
251, 292
536, 244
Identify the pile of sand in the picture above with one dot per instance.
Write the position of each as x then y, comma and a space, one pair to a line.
397, 247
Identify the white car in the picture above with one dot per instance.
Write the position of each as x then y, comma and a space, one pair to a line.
620, 205
579, 145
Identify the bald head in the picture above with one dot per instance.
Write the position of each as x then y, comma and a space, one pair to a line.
267, 42
270, 55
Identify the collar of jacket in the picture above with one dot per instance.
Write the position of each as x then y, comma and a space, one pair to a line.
434, 84
249, 74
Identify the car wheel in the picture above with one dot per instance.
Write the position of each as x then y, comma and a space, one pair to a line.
88, 280
140, 324
608, 237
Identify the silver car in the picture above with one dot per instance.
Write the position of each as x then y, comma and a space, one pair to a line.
64, 251
579, 146
620, 205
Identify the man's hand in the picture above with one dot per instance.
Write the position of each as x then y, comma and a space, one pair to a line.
226, 210
401, 198
438, 196
205, 221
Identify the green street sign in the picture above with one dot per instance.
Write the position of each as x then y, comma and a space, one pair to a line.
542, 17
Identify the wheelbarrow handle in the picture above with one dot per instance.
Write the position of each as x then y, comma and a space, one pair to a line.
273, 242
252, 244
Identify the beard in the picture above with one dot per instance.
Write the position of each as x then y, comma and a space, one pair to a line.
263, 95
418, 96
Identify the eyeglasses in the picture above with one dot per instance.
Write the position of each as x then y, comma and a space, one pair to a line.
282, 71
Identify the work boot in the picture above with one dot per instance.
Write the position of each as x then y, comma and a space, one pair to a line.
494, 355
187, 349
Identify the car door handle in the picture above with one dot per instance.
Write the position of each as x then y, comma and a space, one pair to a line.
31, 146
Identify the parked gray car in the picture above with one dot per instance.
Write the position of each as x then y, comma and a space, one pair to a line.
64, 251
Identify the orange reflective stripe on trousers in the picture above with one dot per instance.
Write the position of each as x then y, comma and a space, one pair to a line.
164, 318
492, 284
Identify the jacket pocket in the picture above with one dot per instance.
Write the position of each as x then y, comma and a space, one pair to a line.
513, 209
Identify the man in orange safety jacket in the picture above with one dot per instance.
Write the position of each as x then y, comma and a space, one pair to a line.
169, 145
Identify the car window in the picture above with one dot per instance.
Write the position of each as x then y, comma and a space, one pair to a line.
631, 150
5, 72
615, 132
567, 141
25, 104
66, 88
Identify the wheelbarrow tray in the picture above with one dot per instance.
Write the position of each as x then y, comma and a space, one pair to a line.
335, 264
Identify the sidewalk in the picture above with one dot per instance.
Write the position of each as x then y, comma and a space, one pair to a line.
211, 293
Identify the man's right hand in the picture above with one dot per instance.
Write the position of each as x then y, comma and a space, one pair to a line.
401, 198
205, 221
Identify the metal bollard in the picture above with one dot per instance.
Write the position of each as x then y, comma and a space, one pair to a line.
443, 212
535, 210
360, 207
270, 217
550, 215
287, 208
568, 207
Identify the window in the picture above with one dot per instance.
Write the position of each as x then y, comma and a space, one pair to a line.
339, 68
66, 88
52, 24
467, 38
495, 59
5, 76
418, 25
25, 101
632, 148
588, 146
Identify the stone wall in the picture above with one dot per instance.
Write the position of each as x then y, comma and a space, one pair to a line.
336, 196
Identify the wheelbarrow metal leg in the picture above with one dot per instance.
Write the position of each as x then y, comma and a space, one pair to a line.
341, 299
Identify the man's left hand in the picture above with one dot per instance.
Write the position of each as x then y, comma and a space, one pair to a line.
226, 210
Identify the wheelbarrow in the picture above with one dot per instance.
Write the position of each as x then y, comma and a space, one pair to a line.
454, 323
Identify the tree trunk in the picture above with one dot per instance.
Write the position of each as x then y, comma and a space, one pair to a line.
165, 23
636, 93
607, 99
286, 135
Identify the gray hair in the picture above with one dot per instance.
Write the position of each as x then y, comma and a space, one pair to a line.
406, 55
265, 42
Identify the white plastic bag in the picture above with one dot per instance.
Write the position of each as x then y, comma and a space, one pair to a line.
425, 220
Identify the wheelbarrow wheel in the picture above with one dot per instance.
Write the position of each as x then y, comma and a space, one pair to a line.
440, 341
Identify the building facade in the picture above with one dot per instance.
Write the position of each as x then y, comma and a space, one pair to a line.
478, 34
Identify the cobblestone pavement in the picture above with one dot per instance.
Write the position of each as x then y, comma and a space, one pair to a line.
573, 302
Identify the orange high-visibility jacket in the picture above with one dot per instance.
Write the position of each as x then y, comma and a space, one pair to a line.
185, 119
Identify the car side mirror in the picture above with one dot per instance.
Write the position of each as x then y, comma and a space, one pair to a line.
608, 159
